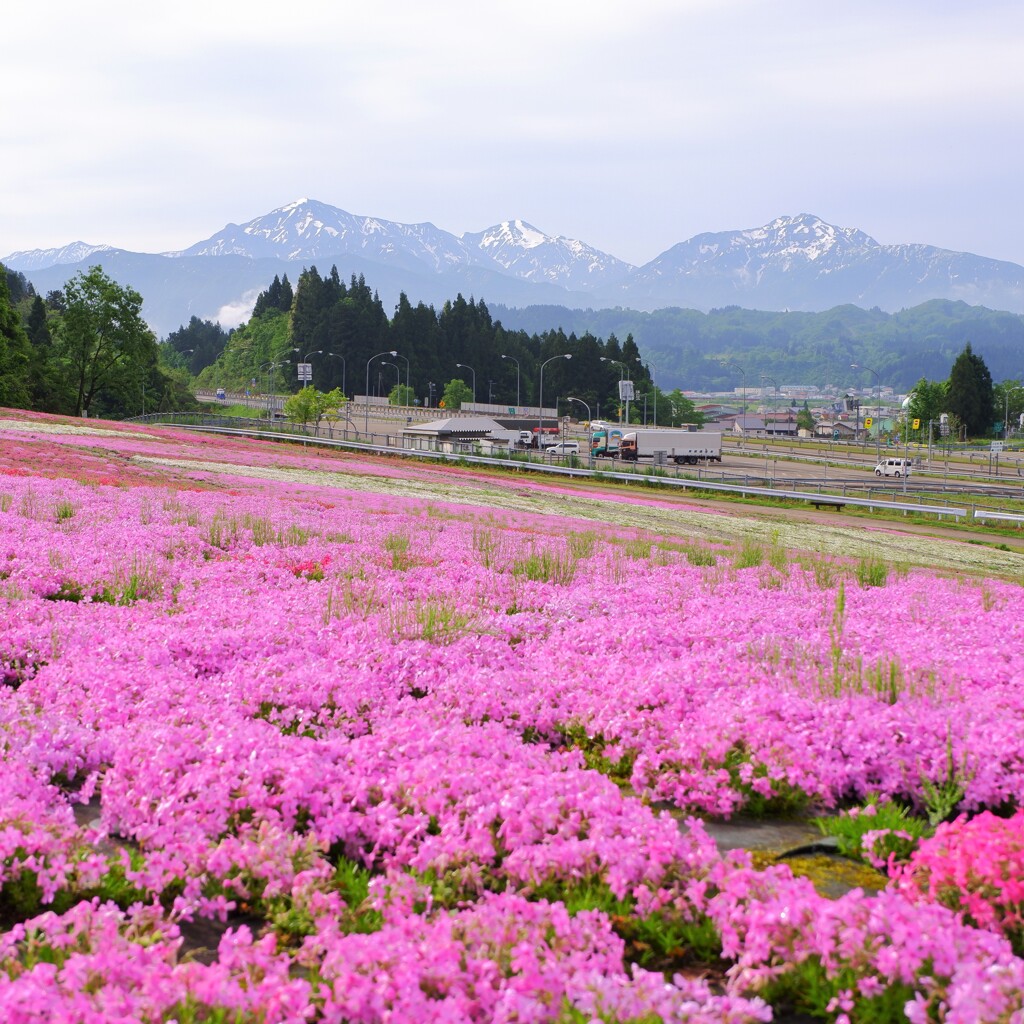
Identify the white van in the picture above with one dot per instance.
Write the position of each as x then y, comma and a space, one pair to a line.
893, 467
564, 448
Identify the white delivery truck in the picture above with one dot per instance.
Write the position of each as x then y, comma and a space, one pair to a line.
679, 446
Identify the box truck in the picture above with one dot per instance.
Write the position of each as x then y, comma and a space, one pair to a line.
679, 446
604, 441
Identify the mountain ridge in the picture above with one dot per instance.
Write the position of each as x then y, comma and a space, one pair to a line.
794, 262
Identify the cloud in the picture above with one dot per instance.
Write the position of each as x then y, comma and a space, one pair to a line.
232, 314
631, 127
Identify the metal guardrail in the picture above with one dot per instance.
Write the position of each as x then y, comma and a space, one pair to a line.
1009, 517
649, 476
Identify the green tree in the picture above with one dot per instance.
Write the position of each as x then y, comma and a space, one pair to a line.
969, 393
15, 353
1008, 396
334, 406
48, 389
805, 419
198, 344
927, 403
401, 395
312, 406
456, 392
682, 410
103, 341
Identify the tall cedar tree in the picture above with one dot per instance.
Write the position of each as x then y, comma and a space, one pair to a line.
969, 393
15, 352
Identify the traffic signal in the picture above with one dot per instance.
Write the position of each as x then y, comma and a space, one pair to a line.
867, 422
915, 423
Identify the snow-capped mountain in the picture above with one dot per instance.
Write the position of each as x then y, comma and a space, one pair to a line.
799, 263
307, 230
805, 263
37, 259
523, 251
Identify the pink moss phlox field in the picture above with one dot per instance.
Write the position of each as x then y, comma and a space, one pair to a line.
424, 761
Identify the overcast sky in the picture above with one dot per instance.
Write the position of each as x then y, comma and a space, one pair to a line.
629, 125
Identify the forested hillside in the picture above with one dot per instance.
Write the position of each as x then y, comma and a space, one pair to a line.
684, 346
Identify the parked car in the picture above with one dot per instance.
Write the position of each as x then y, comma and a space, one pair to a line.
564, 448
893, 467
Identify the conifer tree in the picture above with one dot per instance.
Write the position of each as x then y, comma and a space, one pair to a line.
969, 393
14, 353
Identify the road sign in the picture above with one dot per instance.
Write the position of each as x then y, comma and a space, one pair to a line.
997, 446
626, 393
835, 433
305, 371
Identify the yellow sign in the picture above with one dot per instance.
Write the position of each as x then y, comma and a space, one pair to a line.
867, 422
915, 423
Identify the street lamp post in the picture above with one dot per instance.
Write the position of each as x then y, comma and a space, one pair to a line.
305, 359
775, 384
743, 379
516, 361
406, 358
342, 358
654, 391
540, 398
584, 404
463, 366
1006, 412
398, 373
366, 409
878, 407
270, 371
590, 438
625, 376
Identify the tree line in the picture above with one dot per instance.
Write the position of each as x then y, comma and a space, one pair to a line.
86, 350
438, 358
83, 350
813, 348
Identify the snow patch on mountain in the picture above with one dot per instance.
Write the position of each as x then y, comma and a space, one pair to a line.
37, 259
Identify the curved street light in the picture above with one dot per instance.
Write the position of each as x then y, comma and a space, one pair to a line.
366, 409
271, 366
878, 407
1007, 391
625, 376
305, 359
584, 404
463, 366
590, 438
540, 398
743, 378
406, 358
337, 355
398, 373
516, 361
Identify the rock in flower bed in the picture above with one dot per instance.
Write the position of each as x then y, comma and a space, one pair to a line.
408, 753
